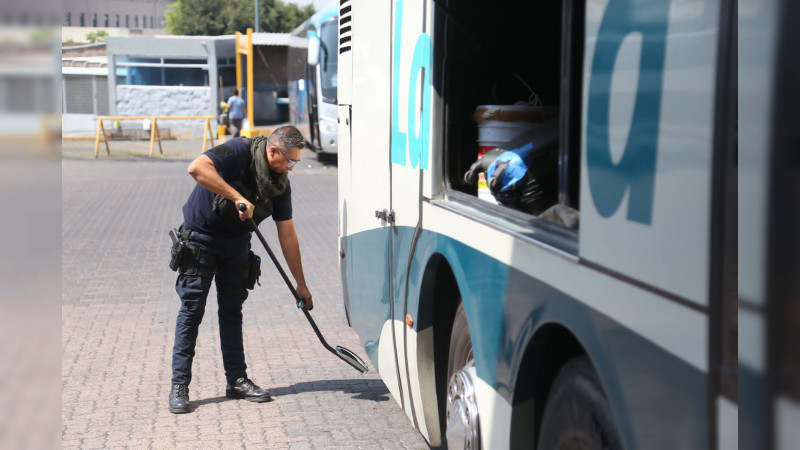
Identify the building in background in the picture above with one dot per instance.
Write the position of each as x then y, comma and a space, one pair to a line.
116, 17
165, 75
114, 13
170, 76
84, 91
263, 69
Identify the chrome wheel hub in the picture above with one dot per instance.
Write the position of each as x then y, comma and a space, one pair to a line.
463, 428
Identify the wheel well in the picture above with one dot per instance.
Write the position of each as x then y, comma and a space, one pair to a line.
548, 350
439, 300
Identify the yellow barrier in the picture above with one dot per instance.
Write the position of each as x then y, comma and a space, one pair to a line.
154, 134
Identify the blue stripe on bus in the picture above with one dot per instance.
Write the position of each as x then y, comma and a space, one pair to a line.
646, 385
368, 303
482, 281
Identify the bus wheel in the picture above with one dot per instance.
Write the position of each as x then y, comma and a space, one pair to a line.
463, 427
577, 414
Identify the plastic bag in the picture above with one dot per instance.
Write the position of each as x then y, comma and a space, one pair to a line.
523, 172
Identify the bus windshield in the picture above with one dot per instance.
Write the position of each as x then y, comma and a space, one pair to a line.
328, 60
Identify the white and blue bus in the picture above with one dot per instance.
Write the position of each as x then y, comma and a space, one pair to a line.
606, 315
312, 73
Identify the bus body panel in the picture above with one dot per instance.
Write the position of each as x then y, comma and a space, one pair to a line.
328, 133
648, 121
757, 24
506, 307
364, 184
757, 37
650, 351
410, 148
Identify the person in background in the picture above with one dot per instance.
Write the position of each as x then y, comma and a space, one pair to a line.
236, 112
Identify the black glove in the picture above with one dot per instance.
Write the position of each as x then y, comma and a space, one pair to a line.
481, 165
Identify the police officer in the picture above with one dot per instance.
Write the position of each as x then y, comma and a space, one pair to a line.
249, 171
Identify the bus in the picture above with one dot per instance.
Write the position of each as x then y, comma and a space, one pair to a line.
312, 74
590, 300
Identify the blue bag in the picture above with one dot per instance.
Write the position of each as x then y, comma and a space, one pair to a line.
523, 172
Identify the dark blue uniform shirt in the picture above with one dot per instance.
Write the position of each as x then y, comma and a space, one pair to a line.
229, 159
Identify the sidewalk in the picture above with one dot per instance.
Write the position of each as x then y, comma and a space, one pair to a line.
118, 319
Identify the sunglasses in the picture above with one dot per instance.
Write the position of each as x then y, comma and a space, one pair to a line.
291, 162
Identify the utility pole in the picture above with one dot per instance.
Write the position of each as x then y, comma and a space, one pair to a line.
257, 29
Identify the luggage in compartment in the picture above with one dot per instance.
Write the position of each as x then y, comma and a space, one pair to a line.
522, 173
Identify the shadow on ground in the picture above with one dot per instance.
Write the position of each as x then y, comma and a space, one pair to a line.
373, 390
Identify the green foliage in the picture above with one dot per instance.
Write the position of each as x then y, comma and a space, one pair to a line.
214, 18
97, 36
195, 17
284, 18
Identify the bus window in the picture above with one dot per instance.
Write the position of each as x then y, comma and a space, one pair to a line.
512, 81
328, 59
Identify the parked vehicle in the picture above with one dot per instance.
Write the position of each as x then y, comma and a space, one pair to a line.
609, 318
313, 79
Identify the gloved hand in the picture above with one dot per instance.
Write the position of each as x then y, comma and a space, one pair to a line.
481, 165
506, 171
526, 178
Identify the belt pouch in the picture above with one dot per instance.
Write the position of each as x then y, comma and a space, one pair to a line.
254, 270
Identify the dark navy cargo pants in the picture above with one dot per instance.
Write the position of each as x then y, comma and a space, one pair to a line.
227, 260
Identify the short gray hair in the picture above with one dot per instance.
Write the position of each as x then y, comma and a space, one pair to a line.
287, 138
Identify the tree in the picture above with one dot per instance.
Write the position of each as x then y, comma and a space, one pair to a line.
285, 18
214, 18
195, 18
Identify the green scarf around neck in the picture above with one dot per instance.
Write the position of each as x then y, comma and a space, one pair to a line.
269, 183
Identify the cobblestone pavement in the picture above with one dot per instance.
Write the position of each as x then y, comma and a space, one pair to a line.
118, 317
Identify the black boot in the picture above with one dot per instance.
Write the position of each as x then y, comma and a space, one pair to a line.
246, 389
179, 399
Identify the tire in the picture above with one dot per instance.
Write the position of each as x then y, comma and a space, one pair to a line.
577, 414
325, 157
460, 343
462, 429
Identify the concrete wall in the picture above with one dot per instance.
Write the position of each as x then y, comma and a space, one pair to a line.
77, 35
165, 101
78, 122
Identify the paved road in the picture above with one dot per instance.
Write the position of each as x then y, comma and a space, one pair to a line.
118, 319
